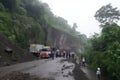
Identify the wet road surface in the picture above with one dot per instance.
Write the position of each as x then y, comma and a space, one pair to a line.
48, 68
89, 73
45, 68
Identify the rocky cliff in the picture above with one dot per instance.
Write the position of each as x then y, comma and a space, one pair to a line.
63, 40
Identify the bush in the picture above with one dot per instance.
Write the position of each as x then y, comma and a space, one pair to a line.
2, 8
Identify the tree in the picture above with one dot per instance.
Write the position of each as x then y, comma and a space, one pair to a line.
2, 8
74, 26
84, 42
9, 4
105, 51
107, 14
34, 10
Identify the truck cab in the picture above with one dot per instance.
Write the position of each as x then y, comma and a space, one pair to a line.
45, 52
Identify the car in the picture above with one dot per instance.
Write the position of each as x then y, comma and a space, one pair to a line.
45, 53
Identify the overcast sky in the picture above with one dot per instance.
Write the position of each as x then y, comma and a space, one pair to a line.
81, 12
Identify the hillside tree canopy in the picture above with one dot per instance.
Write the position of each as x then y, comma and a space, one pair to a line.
107, 14
28, 21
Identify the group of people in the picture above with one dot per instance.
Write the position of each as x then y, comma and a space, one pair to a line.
63, 53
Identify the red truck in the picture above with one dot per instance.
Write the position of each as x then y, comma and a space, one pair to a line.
45, 52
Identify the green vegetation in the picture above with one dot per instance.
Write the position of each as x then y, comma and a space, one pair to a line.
27, 21
107, 14
105, 47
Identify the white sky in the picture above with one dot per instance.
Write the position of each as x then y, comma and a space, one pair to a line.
81, 12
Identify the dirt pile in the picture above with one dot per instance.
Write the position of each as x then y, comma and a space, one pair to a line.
18, 55
78, 74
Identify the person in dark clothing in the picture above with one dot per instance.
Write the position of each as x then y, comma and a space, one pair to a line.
57, 53
67, 54
52, 53
83, 62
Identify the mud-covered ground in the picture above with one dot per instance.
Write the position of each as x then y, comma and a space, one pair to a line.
17, 55
17, 75
78, 74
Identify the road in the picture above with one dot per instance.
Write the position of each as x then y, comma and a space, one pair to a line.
57, 69
45, 68
89, 73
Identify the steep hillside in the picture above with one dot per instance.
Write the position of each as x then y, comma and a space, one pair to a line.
30, 21
63, 40
27, 21
17, 56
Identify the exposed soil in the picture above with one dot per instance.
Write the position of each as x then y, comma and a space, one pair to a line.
78, 74
18, 55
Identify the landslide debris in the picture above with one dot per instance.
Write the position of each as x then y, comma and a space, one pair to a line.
18, 55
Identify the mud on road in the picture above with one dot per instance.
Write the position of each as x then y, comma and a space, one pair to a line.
16, 75
63, 73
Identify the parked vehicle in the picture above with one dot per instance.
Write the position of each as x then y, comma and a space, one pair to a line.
35, 49
45, 52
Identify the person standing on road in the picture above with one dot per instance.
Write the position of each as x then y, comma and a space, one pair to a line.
57, 53
64, 53
52, 53
83, 62
98, 73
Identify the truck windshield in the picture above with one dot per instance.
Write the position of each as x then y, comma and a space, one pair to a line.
45, 50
